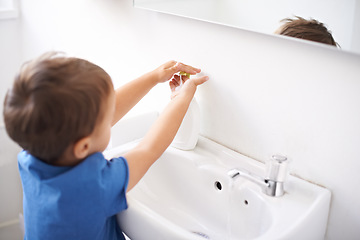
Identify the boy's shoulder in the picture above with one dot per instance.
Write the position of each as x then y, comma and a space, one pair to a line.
93, 166
31, 167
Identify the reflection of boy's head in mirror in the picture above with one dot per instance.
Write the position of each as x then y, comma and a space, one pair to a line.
312, 30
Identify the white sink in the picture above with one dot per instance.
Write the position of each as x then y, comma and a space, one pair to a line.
187, 195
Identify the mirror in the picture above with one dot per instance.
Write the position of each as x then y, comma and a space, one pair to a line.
342, 18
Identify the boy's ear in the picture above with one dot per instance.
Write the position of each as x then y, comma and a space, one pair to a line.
82, 147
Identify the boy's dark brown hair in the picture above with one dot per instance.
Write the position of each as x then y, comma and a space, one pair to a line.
312, 30
55, 101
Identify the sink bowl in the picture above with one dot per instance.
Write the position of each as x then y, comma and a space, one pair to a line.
187, 195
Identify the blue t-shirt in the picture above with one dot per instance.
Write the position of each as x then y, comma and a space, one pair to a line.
77, 202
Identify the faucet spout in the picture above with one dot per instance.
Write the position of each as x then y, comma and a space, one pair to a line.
234, 173
273, 184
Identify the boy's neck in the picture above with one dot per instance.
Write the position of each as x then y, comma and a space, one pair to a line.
67, 162
67, 159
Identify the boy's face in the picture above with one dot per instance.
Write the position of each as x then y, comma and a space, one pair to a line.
101, 134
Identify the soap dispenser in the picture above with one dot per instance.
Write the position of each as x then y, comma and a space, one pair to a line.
188, 133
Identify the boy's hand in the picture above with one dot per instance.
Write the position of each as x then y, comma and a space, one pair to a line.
189, 85
166, 71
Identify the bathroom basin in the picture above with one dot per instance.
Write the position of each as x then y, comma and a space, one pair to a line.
187, 195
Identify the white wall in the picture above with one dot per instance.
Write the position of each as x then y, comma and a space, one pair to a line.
266, 94
10, 186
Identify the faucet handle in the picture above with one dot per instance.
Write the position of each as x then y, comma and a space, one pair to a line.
276, 168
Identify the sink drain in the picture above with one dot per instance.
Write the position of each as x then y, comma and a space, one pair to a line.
218, 185
201, 234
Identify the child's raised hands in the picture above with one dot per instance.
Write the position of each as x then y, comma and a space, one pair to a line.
166, 71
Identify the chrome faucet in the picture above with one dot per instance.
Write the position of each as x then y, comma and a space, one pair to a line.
273, 182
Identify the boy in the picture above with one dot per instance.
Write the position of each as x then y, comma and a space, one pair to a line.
60, 111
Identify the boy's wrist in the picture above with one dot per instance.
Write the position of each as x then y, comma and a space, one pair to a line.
160, 75
153, 77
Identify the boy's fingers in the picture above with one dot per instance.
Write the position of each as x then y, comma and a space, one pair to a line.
172, 85
200, 80
175, 82
185, 68
177, 79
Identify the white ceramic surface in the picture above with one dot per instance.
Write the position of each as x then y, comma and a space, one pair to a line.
188, 195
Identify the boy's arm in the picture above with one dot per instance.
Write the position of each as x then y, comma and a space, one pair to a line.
131, 93
161, 133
